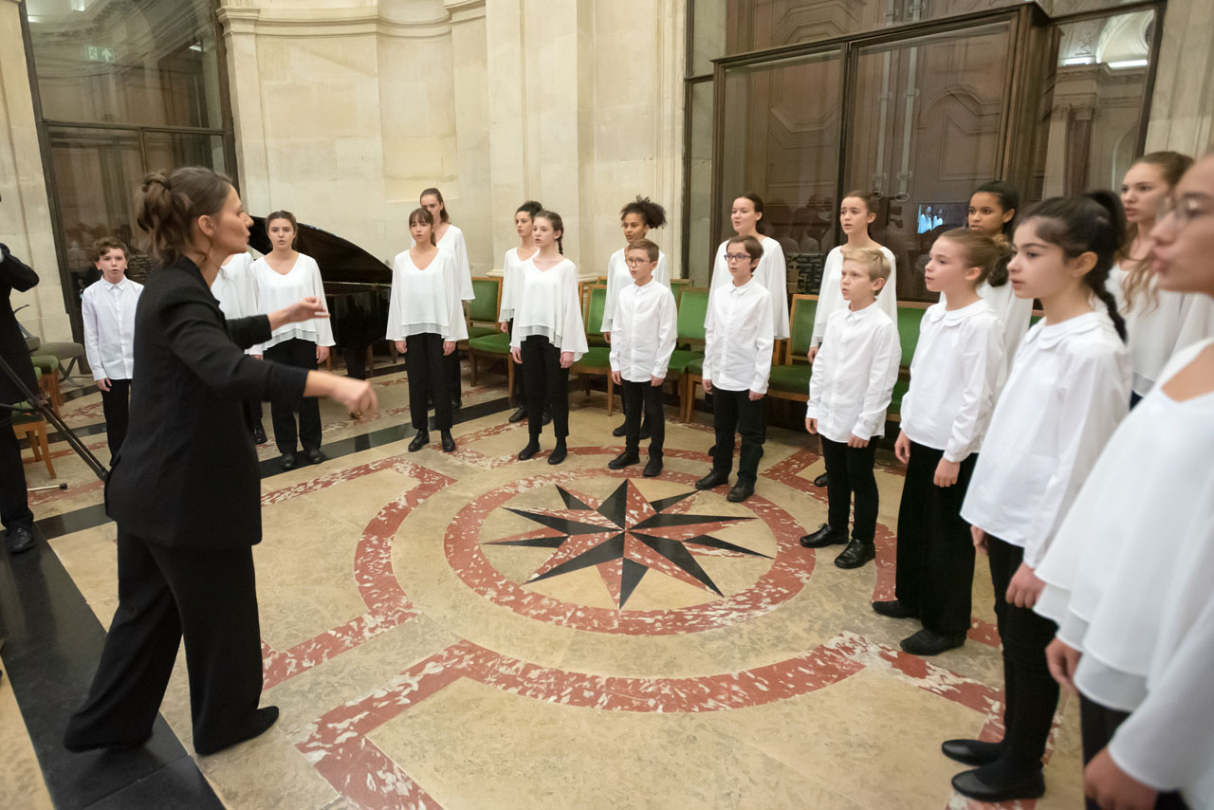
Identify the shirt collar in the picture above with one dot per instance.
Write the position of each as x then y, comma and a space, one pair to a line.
955, 316
1050, 334
736, 290
121, 286
861, 314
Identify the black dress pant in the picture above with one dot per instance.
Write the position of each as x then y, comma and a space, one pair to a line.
849, 471
453, 377
644, 398
356, 361
207, 597
1030, 692
301, 354
547, 385
935, 574
1098, 725
735, 412
116, 405
427, 369
14, 499
520, 388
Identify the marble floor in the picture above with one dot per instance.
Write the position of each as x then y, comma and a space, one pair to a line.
468, 631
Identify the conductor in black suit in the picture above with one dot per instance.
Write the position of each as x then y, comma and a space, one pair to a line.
185, 489
15, 512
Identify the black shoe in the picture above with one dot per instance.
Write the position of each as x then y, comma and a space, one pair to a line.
448, 442
547, 416
317, 457
625, 459
622, 430
288, 461
262, 720
741, 491
857, 553
259, 434
926, 642
972, 752
456, 404
20, 539
895, 610
820, 481
645, 434
712, 451
419, 441
969, 784
712, 480
530, 450
558, 453
823, 537
653, 469
519, 415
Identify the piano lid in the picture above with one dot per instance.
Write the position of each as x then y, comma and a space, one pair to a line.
339, 260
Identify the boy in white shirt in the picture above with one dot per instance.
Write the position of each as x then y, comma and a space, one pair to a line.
108, 310
849, 391
642, 340
739, 338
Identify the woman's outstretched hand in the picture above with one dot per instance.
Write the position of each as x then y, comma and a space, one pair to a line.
303, 310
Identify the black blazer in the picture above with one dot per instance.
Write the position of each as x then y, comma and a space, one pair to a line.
14, 275
187, 475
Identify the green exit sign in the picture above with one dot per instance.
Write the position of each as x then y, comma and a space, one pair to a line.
96, 53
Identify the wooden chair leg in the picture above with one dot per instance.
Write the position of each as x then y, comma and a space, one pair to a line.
610, 395
46, 451
370, 358
472, 366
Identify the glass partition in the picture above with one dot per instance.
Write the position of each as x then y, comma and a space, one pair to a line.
700, 247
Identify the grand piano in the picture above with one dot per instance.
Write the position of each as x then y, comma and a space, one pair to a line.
357, 288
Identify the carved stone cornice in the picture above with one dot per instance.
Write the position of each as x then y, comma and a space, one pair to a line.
354, 22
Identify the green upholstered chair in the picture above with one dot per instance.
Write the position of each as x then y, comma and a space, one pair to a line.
790, 378
597, 361
895, 402
692, 303
910, 316
484, 308
29, 424
678, 286
594, 309
48, 380
495, 347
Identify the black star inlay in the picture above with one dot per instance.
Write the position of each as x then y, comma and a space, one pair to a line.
625, 536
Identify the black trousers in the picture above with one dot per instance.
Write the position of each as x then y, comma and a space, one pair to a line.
735, 412
520, 389
547, 385
427, 369
1098, 725
849, 471
644, 398
301, 354
1030, 692
14, 499
116, 405
453, 377
935, 574
207, 597
356, 361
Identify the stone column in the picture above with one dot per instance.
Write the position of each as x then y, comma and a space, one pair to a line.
244, 86
1182, 107
471, 82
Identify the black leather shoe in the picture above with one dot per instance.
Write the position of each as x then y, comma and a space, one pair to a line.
519, 415
262, 720
419, 441
741, 491
448, 442
288, 461
823, 537
623, 460
820, 481
1031, 786
972, 752
712, 480
259, 434
856, 554
653, 469
456, 404
926, 642
20, 539
547, 416
622, 430
530, 450
317, 457
895, 610
558, 453
645, 432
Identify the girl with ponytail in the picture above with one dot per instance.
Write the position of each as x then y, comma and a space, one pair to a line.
992, 211
512, 268
1068, 389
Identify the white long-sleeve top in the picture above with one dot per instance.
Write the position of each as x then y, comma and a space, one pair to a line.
1153, 325
512, 270
1198, 323
1014, 313
643, 333
619, 279
235, 288
772, 274
853, 376
1069, 388
453, 243
830, 294
1130, 582
108, 311
277, 290
548, 305
426, 300
739, 337
955, 376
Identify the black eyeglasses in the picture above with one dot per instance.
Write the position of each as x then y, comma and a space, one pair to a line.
737, 257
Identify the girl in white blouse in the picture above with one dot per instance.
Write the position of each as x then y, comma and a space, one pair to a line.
548, 333
772, 272
993, 212
1153, 317
451, 239
1130, 577
636, 220
954, 377
235, 289
426, 320
1067, 391
283, 277
512, 268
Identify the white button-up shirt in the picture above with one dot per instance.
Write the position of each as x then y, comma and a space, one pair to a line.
830, 294
643, 332
619, 279
739, 337
954, 379
1069, 387
854, 374
772, 274
108, 311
